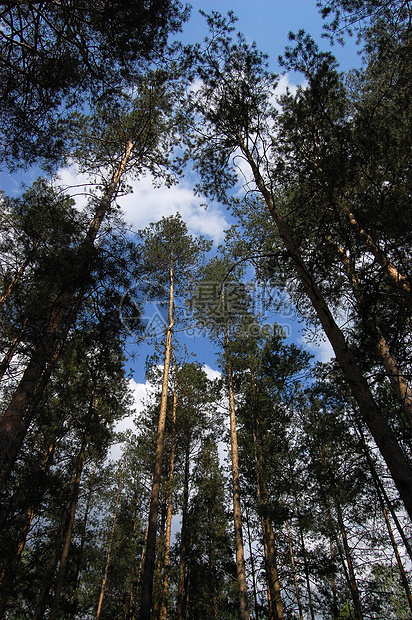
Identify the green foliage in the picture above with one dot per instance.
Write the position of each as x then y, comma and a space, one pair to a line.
58, 57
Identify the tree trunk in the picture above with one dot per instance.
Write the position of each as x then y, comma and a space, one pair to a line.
20, 411
63, 536
376, 422
14, 555
5, 363
181, 599
149, 565
352, 578
109, 549
396, 377
380, 489
69, 531
335, 612
269, 544
237, 510
166, 564
398, 281
295, 576
10, 288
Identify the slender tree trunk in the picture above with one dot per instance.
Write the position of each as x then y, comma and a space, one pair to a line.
380, 489
396, 377
5, 363
130, 603
335, 612
10, 288
237, 510
149, 565
69, 531
20, 411
166, 564
109, 549
181, 608
404, 578
395, 278
14, 555
295, 576
73, 600
269, 543
305, 565
63, 537
352, 578
376, 422
252, 565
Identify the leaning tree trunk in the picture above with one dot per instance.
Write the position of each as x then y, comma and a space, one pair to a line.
20, 411
149, 564
381, 431
397, 280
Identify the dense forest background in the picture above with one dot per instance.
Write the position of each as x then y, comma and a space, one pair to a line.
280, 487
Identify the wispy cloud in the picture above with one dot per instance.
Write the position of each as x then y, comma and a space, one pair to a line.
147, 203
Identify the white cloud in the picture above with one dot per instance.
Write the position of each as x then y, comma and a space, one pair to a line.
146, 204
149, 204
321, 349
211, 373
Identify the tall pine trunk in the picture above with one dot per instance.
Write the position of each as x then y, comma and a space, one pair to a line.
269, 543
109, 549
64, 556
237, 509
149, 564
184, 546
21, 409
376, 422
166, 563
62, 542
